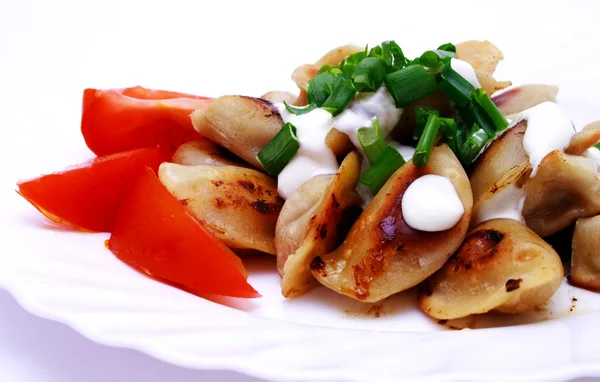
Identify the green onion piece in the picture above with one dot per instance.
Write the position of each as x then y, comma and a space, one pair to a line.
422, 113
429, 59
325, 68
437, 60
376, 52
280, 150
393, 56
350, 63
427, 140
387, 164
369, 74
410, 84
448, 47
448, 128
597, 145
340, 97
299, 110
372, 142
475, 142
474, 113
490, 108
455, 86
319, 88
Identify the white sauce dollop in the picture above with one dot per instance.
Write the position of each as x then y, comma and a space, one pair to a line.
506, 203
362, 111
466, 71
431, 204
593, 154
313, 157
548, 129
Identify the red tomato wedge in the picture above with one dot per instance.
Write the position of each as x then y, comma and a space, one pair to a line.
155, 234
118, 120
88, 196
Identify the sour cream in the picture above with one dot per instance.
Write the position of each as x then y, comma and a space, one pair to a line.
593, 154
313, 157
466, 71
548, 129
362, 111
506, 203
431, 204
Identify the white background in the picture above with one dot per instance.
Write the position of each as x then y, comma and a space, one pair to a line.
54, 49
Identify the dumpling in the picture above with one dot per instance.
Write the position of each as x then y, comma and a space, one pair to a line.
502, 265
382, 254
523, 97
309, 224
566, 188
242, 125
585, 259
238, 205
202, 152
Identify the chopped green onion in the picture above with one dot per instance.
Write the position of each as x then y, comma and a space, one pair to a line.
422, 113
376, 52
280, 150
490, 108
475, 142
350, 63
433, 58
393, 56
427, 140
369, 74
455, 86
387, 164
299, 110
474, 113
410, 84
341, 95
319, 88
448, 47
448, 128
371, 139
325, 68
597, 145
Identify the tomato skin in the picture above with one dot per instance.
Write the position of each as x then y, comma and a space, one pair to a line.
116, 120
154, 233
88, 196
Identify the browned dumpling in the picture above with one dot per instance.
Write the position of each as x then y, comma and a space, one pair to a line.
483, 57
280, 96
584, 139
504, 154
242, 125
309, 223
565, 188
516, 100
382, 255
585, 260
238, 205
202, 152
502, 265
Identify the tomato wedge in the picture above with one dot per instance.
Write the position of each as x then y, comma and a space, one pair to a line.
154, 233
88, 196
118, 120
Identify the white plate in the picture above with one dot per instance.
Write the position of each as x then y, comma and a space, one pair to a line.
51, 51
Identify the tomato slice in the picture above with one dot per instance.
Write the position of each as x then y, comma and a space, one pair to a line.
88, 196
116, 120
154, 233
